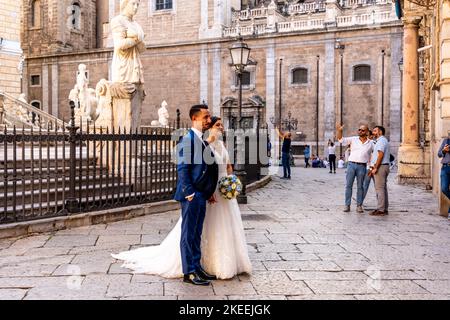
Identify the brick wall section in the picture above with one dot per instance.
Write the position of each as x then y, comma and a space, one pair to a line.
9, 31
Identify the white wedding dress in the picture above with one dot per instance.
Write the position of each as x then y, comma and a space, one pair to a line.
224, 248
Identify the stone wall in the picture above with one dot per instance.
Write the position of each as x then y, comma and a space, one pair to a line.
10, 52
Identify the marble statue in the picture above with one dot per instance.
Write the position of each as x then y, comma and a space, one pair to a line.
85, 98
163, 116
83, 94
127, 69
21, 111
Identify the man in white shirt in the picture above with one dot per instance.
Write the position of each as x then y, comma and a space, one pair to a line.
360, 150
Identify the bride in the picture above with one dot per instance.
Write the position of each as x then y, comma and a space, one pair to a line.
223, 245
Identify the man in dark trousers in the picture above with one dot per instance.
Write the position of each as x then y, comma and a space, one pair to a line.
285, 153
197, 181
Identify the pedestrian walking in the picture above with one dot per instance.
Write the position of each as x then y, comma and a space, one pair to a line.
332, 157
379, 169
360, 149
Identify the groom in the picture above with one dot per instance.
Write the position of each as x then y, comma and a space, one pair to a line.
197, 180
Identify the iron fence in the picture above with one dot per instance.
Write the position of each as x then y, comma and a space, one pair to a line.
64, 171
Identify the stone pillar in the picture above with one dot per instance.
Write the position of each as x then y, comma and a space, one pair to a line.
328, 86
395, 126
204, 74
55, 90
332, 10
217, 67
270, 103
410, 155
2, 111
45, 88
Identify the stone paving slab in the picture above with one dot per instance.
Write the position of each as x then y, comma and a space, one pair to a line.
301, 245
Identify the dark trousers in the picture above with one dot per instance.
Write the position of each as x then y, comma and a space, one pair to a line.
307, 162
286, 164
332, 159
193, 216
445, 182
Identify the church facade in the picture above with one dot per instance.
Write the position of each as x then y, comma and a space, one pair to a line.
319, 61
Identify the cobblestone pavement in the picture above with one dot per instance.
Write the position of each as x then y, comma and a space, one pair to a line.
301, 244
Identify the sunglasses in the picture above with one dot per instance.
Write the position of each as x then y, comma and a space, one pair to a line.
362, 130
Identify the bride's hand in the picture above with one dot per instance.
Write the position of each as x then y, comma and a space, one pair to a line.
213, 134
212, 200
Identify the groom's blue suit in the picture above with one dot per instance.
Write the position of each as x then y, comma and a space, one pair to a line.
198, 175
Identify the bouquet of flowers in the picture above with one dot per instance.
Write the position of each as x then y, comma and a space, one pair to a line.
230, 186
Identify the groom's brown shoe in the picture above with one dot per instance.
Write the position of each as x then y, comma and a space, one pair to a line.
205, 276
195, 279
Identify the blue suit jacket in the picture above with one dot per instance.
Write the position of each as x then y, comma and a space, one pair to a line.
197, 170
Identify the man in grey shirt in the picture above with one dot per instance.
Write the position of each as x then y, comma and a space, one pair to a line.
379, 169
444, 153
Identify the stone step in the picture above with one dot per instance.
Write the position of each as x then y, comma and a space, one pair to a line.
33, 211
107, 187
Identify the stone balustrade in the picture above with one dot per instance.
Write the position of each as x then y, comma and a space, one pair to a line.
301, 8
363, 19
355, 3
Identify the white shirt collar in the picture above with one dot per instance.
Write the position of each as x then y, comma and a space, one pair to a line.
198, 133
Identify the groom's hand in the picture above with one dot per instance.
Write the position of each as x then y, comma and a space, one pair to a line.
189, 198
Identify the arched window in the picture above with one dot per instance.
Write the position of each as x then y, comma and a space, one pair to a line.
75, 17
361, 72
36, 13
299, 76
36, 104
34, 117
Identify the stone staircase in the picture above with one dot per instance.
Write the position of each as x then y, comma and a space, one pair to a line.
38, 184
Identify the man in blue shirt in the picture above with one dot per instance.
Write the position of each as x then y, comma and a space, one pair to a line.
379, 169
444, 153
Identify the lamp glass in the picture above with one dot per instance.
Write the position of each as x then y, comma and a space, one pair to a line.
240, 54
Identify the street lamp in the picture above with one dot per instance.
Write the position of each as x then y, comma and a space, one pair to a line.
289, 123
400, 68
341, 48
240, 53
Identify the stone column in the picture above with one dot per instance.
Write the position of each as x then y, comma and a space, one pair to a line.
217, 69
55, 90
410, 155
204, 74
329, 88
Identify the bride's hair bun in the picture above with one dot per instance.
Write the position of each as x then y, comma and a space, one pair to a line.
214, 119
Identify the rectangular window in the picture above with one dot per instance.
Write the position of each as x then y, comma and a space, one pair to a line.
35, 80
246, 79
164, 4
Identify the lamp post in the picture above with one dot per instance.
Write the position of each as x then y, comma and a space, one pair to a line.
240, 53
341, 48
400, 68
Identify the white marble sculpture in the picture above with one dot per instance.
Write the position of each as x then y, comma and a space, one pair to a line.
83, 94
163, 116
84, 97
21, 111
127, 69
